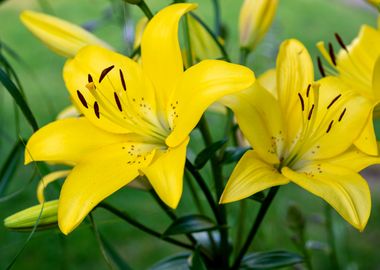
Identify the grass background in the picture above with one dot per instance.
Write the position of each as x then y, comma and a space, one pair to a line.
40, 73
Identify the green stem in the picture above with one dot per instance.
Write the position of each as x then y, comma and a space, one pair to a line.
252, 233
202, 184
213, 36
194, 193
142, 227
331, 238
170, 213
240, 224
218, 22
244, 52
218, 180
144, 8
189, 54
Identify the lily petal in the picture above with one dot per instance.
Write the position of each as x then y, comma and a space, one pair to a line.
268, 81
67, 141
294, 74
250, 176
354, 159
166, 174
259, 118
345, 190
199, 87
367, 140
160, 51
97, 176
60, 36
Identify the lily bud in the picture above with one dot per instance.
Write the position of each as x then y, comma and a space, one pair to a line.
26, 219
256, 17
60, 36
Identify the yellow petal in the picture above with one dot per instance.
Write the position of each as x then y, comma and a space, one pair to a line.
125, 78
67, 141
46, 180
140, 27
354, 159
268, 81
60, 36
199, 87
294, 73
345, 190
259, 117
376, 80
97, 176
367, 142
250, 176
160, 51
165, 174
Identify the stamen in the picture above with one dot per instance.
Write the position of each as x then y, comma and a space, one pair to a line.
310, 112
89, 78
332, 54
340, 41
105, 72
117, 101
82, 99
334, 100
329, 127
308, 90
302, 103
342, 114
122, 80
96, 109
320, 67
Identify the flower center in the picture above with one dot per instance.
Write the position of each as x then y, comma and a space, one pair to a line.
132, 109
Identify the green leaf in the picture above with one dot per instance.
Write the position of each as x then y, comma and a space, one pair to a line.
259, 197
176, 262
207, 153
270, 260
196, 262
190, 224
19, 99
234, 154
10, 166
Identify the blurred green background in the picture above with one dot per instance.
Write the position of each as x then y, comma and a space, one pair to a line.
40, 73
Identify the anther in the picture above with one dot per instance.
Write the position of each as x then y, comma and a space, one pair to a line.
329, 127
332, 54
82, 99
96, 109
308, 90
122, 80
105, 72
89, 78
334, 100
117, 100
302, 103
342, 114
320, 67
340, 41
310, 112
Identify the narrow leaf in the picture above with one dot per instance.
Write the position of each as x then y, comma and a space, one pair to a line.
175, 262
270, 260
19, 99
190, 224
10, 165
234, 154
207, 153
196, 262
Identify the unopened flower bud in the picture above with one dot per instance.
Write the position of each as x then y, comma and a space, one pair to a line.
25, 220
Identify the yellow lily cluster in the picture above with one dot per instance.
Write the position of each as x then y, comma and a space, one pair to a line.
136, 117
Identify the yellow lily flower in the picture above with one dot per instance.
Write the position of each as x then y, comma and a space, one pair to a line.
256, 17
62, 37
137, 118
302, 136
358, 65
